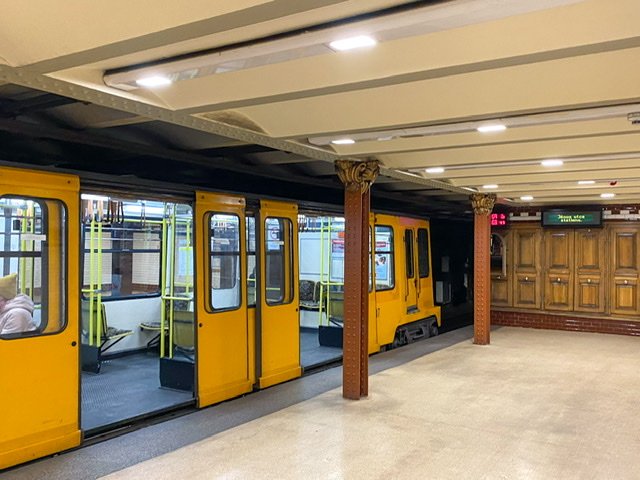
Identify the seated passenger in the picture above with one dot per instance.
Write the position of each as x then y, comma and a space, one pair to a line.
15, 309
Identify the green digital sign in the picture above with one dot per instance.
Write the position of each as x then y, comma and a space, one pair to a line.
567, 218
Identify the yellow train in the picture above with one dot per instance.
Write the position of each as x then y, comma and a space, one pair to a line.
140, 303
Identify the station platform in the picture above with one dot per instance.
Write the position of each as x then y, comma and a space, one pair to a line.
535, 404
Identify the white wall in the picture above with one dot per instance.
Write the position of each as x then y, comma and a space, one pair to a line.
128, 315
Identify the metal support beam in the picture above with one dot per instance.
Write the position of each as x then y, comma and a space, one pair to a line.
482, 204
357, 178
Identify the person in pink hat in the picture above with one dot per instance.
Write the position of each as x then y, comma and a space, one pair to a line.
16, 310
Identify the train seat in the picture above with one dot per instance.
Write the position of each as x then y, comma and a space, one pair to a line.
109, 336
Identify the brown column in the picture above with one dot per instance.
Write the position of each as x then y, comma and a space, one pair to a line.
357, 178
482, 205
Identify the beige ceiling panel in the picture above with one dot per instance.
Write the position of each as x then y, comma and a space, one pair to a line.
469, 139
462, 49
510, 170
517, 152
588, 80
73, 25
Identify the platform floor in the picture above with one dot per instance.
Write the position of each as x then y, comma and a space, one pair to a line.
533, 405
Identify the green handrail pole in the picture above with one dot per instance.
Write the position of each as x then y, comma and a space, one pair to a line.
99, 287
188, 256
32, 215
92, 286
22, 267
172, 266
163, 280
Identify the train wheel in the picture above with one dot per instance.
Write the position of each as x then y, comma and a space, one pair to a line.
433, 329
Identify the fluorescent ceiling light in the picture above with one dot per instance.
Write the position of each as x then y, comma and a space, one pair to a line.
498, 127
303, 43
353, 42
586, 182
490, 187
343, 141
153, 81
552, 162
526, 198
435, 170
607, 195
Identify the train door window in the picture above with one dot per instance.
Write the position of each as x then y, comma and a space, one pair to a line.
408, 247
384, 258
33, 242
251, 261
278, 258
224, 267
423, 252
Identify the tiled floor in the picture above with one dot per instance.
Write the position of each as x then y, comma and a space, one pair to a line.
533, 405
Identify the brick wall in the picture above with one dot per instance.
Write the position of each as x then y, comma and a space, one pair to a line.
564, 322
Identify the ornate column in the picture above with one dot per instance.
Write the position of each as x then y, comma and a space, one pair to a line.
482, 204
357, 178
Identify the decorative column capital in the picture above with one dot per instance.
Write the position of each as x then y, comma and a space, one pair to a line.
357, 175
482, 203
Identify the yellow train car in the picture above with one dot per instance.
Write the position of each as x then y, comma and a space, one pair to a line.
134, 304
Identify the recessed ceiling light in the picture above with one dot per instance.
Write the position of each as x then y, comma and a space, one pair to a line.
353, 42
343, 141
153, 81
490, 187
497, 127
552, 162
434, 170
586, 182
607, 195
526, 198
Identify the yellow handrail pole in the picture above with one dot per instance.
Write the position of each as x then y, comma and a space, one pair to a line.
163, 280
189, 254
22, 263
99, 287
92, 286
32, 215
172, 266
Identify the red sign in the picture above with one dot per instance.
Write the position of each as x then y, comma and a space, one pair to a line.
498, 219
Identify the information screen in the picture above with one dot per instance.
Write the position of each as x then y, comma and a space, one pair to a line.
556, 218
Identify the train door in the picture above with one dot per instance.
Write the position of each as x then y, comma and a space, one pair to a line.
223, 368
278, 340
137, 308
411, 279
39, 315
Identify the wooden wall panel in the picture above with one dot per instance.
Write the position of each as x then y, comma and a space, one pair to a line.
590, 266
558, 277
526, 268
625, 267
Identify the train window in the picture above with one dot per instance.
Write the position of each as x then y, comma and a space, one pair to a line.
423, 252
278, 258
384, 268
123, 246
224, 245
33, 241
251, 261
408, 248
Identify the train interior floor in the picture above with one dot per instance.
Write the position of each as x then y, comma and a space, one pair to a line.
533, 404
312, 354
126, 388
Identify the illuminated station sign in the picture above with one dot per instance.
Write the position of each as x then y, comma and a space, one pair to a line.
498, 219
565, 218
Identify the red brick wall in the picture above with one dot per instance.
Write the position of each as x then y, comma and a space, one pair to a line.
562, 322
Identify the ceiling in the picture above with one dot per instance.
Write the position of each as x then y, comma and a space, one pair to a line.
258, 96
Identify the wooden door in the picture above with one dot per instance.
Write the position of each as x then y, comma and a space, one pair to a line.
526, 268
624, 270
559, 249
501, 288
589, 270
